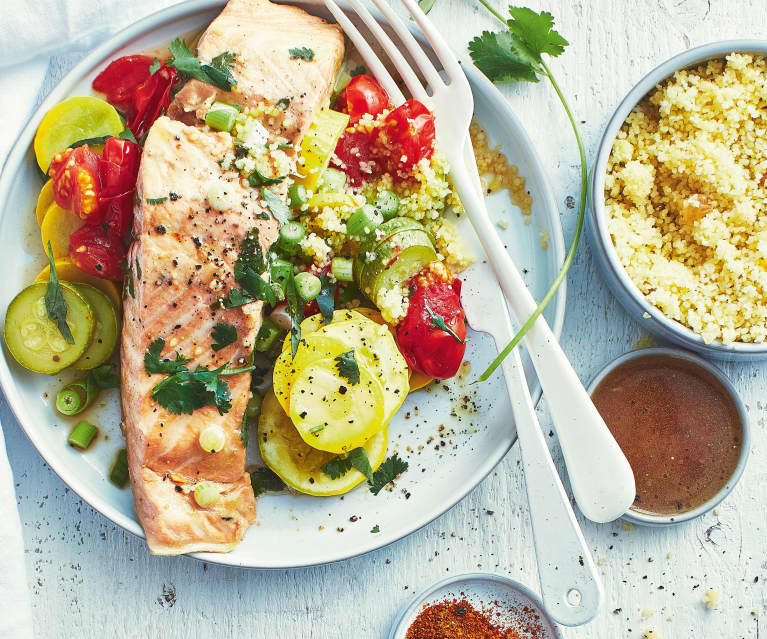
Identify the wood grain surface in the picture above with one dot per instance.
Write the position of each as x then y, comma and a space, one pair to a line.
91, 580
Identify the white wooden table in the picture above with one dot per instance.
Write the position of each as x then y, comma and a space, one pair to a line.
90, 579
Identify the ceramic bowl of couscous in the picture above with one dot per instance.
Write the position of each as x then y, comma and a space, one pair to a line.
678, 219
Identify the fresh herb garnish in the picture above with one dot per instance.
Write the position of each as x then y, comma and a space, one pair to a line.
317, 430
128, 284
55, 304
156, 200
386, 473
244, 432
223, 334
278, 208
155, 66
514, 55
186, 391
263, 480
295, 307
304, 53
337, 467
251, 254
375, 529
257, 178
247, 268
76, 396
326, 299
255, 287
283, 103
217, 73
437, 321
234, 298
359, 459
426, 5
355, 458
357, 71
127, 134
347, 367
153, 364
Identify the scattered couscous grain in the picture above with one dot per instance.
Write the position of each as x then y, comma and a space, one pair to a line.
686, 198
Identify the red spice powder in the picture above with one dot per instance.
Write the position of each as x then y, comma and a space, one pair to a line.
458, 619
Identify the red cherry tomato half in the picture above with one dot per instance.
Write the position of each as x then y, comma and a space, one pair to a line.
151, 99
118, 169
354, 156
364, 95
120, 80
427, 348
407, 137
76, 183
98, 251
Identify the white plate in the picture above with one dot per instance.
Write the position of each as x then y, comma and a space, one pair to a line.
291, 530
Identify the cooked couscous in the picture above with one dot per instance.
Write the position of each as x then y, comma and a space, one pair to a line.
686, 198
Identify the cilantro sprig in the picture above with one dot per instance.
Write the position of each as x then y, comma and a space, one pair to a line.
516, 55
217, 73
303, 53
223, 334
358, 458
55, 304
154, 364
347, 367
437, 321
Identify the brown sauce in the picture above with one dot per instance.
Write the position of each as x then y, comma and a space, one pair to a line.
678, 427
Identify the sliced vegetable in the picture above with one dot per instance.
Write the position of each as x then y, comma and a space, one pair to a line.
364, 221
407, 137
300, 465
268, 334
297, 195
318, 201
356, 156
308, 286
363, 95
332, 181
221, 116
74, 119
76, 182
342, 269
206, 494
106, 329
35, 341
318, 145
387, 203
118, 475
151, 99
120, 79
97, 251
290, 237
57, 227
76, 396
212, 438
82, 435
118, 170
44, 200
68, 272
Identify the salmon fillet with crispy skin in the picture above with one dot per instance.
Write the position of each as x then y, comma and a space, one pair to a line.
182, 262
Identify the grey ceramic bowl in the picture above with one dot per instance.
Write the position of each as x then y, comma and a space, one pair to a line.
477, 588
646, 519
632, 299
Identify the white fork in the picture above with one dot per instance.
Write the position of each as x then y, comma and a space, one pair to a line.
571, 589
600, 476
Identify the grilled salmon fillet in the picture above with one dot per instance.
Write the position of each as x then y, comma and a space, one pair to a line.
181, 262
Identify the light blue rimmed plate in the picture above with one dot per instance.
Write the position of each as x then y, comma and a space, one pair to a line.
294, 530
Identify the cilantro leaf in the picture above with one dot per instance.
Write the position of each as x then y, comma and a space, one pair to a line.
155, 66
437, 321
264, 480
498, 56
375, 529
426, 5
283, 103
295, 308
304, 53
326, 299
278, 208
234, 298
153, 364
251, 254
217, 73
259, 179
55, 304
256, 287
535, 32
386, 473
223, 334
186, 391
347, 367
359, 459
358, 71
104, 376
337, 467
127, 134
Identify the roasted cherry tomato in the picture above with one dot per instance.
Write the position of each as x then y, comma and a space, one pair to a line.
76, 182
120, 80
151, 99
363, 95
433, 334
98, 251
354, 156
407, 137
118, 170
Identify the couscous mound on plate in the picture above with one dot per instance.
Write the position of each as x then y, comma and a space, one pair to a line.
686, 198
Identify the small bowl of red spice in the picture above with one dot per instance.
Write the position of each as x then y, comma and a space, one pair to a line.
682, 426
474, 606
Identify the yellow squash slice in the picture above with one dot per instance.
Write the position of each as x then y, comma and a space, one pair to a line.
332, 414
44, 200
300, 465
318, 145
56, 228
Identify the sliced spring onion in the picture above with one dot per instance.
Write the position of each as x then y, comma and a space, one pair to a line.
118, 475
221, 116
308, 286
254, 406
332, 181
387, 203
206, 494
82, 435
70, 401
297, 195
280, 272
267, 335
364, 220
212, 438
342, 269
291, 235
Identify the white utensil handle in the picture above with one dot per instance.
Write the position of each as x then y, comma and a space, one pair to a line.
571, 589
600, 475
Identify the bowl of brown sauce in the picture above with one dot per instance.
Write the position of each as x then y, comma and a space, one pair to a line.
681, 425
